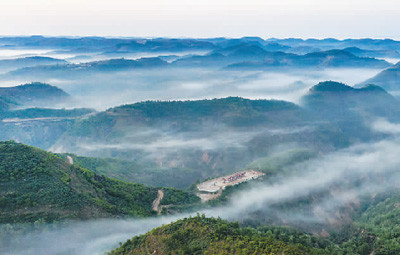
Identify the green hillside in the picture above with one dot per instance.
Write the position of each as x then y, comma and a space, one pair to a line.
131, 171
188, 115
37, 185
377, 230
201, 235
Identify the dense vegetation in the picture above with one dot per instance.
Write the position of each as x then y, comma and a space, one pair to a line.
37, 185
232, 111
132, 171
201, 235
377, 230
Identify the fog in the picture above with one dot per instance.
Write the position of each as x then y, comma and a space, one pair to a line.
346, 166
157, 141
102, 90
335, 175
84, 238
105, 90
338, 173
108, 90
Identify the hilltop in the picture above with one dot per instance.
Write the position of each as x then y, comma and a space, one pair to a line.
33, 94
333, 99
201, 235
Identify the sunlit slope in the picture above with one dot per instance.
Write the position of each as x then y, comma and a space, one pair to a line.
37, 185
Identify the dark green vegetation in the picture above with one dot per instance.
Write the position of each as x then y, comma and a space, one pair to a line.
201, 235
176, 144
181, 142
191, 140
37, 185
380, 228
132, 171
375, 231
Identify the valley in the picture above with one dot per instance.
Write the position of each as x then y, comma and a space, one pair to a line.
198, 146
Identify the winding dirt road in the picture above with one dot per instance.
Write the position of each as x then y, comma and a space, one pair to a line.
156, 202
70, 160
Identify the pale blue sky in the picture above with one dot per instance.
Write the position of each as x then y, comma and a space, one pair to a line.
202, 18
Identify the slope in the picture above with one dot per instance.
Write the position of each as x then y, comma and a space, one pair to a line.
388, 78
201, 235
37, 185
34, 94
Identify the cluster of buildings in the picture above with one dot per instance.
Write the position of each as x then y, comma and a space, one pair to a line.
234, 177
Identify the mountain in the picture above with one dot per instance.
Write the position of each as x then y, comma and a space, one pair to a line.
201, 235
6, 104
339, 101
161, 45
255, 57
388, 79
132, 171
351, 109
330, 43
109, 65
10, 64
373, 53
38, 185
102, 44
238, 53
195, 140
340, 58
34, 94
40, 127
371, 232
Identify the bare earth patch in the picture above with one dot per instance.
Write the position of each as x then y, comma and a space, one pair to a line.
215, 186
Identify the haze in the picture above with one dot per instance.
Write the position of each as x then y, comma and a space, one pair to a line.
183, 18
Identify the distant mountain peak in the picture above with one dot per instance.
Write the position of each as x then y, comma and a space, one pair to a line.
331, 86
373, 88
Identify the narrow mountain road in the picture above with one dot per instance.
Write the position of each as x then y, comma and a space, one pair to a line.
70, 160
156, 202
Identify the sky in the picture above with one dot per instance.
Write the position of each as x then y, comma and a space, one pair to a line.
202, 18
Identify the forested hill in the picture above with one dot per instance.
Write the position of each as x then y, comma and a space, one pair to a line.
201, 235
37, 185
32, 94
375, 232
388, 78
339, 101
188, 115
